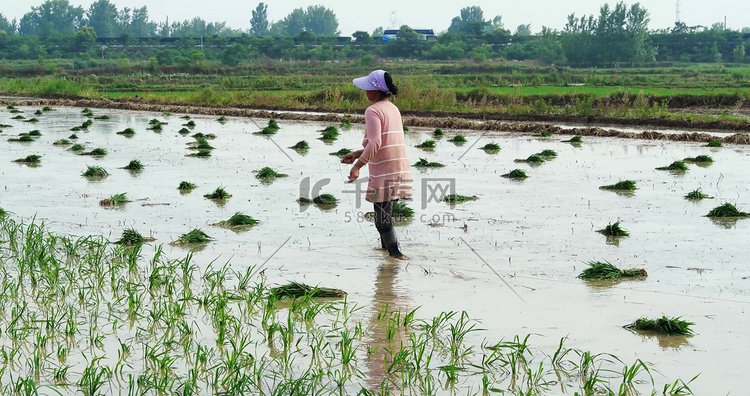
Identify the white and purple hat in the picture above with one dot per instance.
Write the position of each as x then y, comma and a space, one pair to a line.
374, 82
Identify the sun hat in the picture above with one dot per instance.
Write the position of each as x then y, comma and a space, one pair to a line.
373, 82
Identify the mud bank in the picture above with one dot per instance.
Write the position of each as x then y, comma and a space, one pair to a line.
435, 120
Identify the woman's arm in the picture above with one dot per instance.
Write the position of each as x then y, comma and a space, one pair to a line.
373, 134
351, 157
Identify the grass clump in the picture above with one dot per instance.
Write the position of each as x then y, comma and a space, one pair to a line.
77, 147
131, 237
457, 198
62, 142
342, 153
134, 165
117, 199
35, 133
301, 146
423, 163
491, 147
622, 185
186, 186
297, 290
678, 166
697, 195
438, 133
266, 173
219, 194
715, 143
31, 159
401, 211
701, 159
664, 325
427, 145
239, 220
548, 153
726, 210
603, 270
613, 230
127, 132
515, 174
458, 139
193, 237
95, 171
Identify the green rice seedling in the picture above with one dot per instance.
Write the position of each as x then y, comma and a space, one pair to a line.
665, 325
304, 201
622, 185
574, 139
87, 124
62, 142
186, 186
47, 108
406, 128
95, 171
155, 127
715, 143
548, 153
115, 200
598, 270
18, 117
5, 126
73, 136
402, 211
701, 159
222, 119
266, 173
427, 145
10, 107
295, 290
97, 152
491, 147
201, 154
697, 195
301, 146
438, 133
131, 237
15, 111
3, 212
32, 120
38, 112
193, 237
325, 199
239, 220
190, 124
218, 194
613, 230
134, 165
200, 135
77, 147
85, 110
31, 159
330, 129
726, 210
76, 129
515, 174
458, 139
677, 166
342, 153
102, 117
535, 158
545, 133
328, 136
183, 131
457, 198
273, 124
154, 121
25, 137
185, 117
423, 163
127, 132
201, 144
345, 124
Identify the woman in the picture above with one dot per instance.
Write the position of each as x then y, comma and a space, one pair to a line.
385, 154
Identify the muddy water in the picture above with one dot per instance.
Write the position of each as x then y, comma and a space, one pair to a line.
537, 234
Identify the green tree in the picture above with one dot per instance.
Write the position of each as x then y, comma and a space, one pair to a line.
7, 26
292, 25
523, 30
321, 21
470, 22
102, 17
472, 14
259, 21
739, 52
52, 18
378, 31
361, 37
85, 39
140, 25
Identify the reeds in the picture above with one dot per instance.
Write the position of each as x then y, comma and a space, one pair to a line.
239, 220
115, 200
726, 210
218, 194
95, 171
613, 230
677, 166
457, 198
296, 290
697, 195
134, 165
186, 186
491, 147
266, 173
30, 159
195, 236
423, 163
715, 143
427, 145
131, 237
301, 146
622, 185
515, 174
701, 159
458, 139
598, 270
665, 325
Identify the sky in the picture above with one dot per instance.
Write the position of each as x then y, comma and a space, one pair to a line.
424, 14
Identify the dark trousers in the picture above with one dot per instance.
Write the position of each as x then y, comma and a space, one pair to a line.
384, 224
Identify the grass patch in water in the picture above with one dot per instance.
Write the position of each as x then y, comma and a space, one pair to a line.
665, 325
134, 165
423, 163
266, 173
296, 290
219, 194
458, 139
491, 147
715, 143
127, 132
697, 195
30, 159
701, 159
515, 174
186, 186
438, 133
457, 198
677, 166
603, 270
193, 237
622, 185
301, 146
613, 230
115, 200
427, 145
131, 237
239, 220
95, 171
62, 142
726, 210
341, 153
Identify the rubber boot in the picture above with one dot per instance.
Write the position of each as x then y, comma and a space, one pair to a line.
390, 243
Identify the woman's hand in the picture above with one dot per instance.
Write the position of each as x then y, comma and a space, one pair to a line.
351, 157
354, 174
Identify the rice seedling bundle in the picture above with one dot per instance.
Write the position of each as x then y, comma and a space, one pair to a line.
31, 159
603, 270
726, 210
301, 145
186, 186
342, 153
222, 119
268, 173
35, 133
457, 139
345, 124
98, 152
47, 108
239, 220
457, 198
545, 133
134, 165
273, 124
73, 136
131, 237
183, 131
62, 142
401, 210
701, 159
623, 185
535, 158
697, 194
95, 171
665, 325
127, 132
423, 163
219, 194
427, 145
674, 166
515, 174
296, 290
102, 117
325, 199
329, 136
491, 147
715, 143
614, 230
117, 199
193, 237
574, 139
330, 129
548, 153
438, 133
38, 112
18, 117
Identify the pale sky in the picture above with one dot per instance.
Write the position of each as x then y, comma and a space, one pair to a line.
361, 15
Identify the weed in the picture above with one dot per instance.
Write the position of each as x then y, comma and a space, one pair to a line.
614, 230
604, 270
297, 290
664, 325
401, 211
726, 210
95, 171
62, 142
238, 220
218, 194
77, 147
267, 173
193, 237
491, 147
35, 133
697, 194
677, 166
458, 139
301, 146
427, 145
31, 159
515, 174
457, 198
715, 143
186, 186
134, 165
423, 163
548, 153
701, 159
127, 132
115, 200
622, 185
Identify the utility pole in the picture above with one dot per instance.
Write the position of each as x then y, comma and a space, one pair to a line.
679, 11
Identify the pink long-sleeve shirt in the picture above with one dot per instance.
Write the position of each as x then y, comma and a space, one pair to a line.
385, 154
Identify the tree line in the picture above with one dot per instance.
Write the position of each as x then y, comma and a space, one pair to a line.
619, 34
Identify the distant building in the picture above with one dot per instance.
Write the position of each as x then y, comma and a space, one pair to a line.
392, 34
